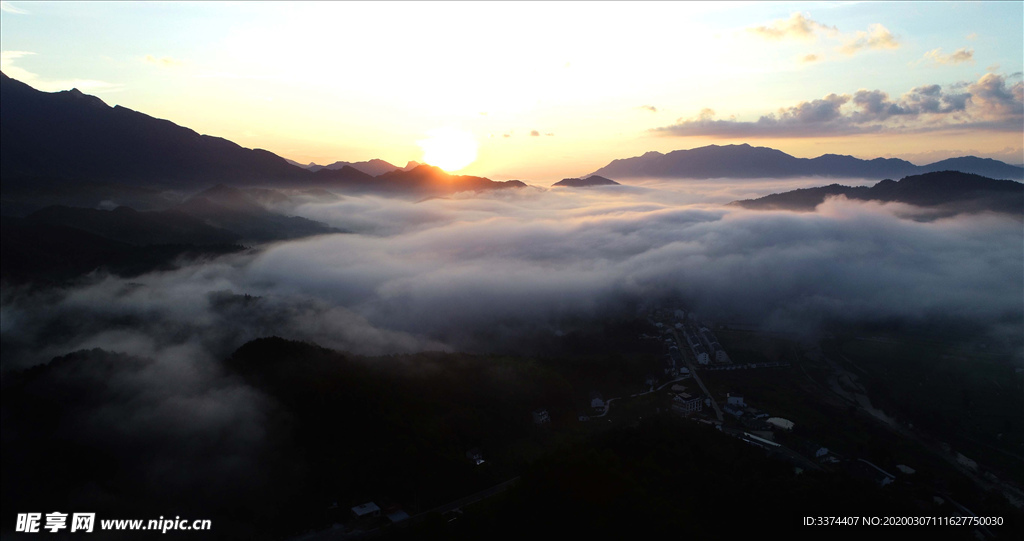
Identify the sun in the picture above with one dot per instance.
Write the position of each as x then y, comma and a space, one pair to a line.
450, 149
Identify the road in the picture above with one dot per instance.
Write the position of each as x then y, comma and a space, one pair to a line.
693, 372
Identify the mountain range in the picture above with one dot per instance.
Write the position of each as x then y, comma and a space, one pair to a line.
70, 137
745, 161
948, 191
374, 167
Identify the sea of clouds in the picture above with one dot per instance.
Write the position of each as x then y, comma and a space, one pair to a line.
433, 274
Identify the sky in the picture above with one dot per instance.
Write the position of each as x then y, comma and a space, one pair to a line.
544, 90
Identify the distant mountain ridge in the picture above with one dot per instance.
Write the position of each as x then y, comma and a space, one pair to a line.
70, 137
951, 190
592, 180
428, 178
374, 167
745, 161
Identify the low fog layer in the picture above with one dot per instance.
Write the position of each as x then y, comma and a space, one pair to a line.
480, 273
456, 273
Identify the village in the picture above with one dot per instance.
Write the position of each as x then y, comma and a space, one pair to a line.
691, 349
692, 382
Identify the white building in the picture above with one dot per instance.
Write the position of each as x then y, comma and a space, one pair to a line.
685, 404
368, 509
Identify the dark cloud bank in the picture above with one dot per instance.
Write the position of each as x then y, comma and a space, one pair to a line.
468, 274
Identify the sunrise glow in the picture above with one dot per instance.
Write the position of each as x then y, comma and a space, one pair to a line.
450, 149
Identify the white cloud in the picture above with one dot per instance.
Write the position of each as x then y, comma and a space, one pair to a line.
7, 7
796, 26
958, 56
801, 27
876, 37
164, 62
8, 66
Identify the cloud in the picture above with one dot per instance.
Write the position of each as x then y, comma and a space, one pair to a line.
987, 104
650, 108
452, 274
995, 101
801, 27
796, 26
8, 66
876, 37
534, 133
959, 56
518, 264
7, 7
972, 36
806, 119
7, 59
165, 62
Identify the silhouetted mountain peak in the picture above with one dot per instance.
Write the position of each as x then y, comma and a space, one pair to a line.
430, 178
371, 167
70, 135
80, 97
427, 169
592, 180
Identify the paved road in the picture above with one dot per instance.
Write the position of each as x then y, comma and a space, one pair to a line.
693, 372
608, 403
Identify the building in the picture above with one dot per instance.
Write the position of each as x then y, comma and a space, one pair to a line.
784, 424
475, 455
684, 404
541, 417
368, 509
596, 401
812, 449
735, 400
732, 410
